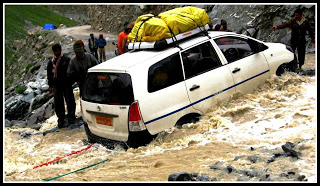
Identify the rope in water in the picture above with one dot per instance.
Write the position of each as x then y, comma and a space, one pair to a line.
57, 159
50, 179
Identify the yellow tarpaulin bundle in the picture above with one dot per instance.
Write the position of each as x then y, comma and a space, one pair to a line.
184, 19
151, 28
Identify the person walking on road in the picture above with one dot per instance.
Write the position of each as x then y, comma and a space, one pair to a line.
298, 25
80, 64
93, 47
101, 43
61, 86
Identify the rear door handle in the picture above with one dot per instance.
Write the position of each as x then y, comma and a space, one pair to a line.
236, 70
194, 87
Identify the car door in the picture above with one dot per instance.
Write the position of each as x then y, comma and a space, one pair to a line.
207, 80
245, 60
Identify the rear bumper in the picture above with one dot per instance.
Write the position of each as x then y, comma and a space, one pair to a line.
110, 144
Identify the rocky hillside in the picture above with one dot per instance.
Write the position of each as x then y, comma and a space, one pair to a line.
74, 12
253, 20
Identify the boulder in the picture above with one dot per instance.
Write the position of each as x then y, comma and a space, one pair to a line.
288, 149
182, 176
19, 123
7, 123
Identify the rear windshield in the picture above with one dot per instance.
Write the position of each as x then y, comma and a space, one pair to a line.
108, 88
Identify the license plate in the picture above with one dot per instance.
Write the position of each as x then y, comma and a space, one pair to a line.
104, 120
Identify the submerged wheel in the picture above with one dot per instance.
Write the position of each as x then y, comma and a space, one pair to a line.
281, 69
141, 138
190, 118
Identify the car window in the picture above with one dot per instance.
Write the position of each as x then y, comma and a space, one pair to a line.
236, 48
199, 59
165, 73
108, 88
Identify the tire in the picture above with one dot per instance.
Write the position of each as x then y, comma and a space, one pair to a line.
190, 118
281, 69
141, 138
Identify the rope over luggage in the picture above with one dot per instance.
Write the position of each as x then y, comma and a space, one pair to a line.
168, 27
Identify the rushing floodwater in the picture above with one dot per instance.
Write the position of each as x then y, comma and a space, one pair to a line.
258, 124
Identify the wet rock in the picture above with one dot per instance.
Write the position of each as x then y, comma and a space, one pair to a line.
203, 178
282, 175
253, 159
237, 157
291, 173
301, 178
307, 72
266, 177
8, 123
19, 123
273, 158
216, 166
254, 173
182, 176
214, 179
288, 149
44, 88
42, 113
35, 126
230, 168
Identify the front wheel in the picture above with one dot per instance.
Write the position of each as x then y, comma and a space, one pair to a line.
281, 69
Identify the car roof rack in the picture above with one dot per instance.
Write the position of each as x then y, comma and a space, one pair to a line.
169, 41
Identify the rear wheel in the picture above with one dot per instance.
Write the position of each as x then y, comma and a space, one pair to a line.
141, 138
190, 118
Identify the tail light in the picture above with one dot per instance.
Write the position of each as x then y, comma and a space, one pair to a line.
135, 120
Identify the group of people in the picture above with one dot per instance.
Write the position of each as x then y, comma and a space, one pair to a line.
98, 45
63, 72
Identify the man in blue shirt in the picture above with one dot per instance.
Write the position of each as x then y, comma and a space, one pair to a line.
101, 43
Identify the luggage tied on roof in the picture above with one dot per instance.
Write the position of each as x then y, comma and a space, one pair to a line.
148, 28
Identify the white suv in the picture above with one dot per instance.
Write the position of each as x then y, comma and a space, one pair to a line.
132, 97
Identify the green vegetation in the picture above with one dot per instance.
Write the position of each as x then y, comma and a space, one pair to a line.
20, 89
20, 18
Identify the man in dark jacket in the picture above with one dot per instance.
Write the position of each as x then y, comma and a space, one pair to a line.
93, 45
80, 64
298, 25
61, 86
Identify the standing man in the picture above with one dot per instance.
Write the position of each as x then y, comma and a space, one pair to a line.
123, 35
61, 86
101, 43
80, 64
93, 46
298, 25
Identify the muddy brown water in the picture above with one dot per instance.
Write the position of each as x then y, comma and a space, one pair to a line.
281, 110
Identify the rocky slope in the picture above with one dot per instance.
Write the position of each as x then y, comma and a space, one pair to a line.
253, 20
